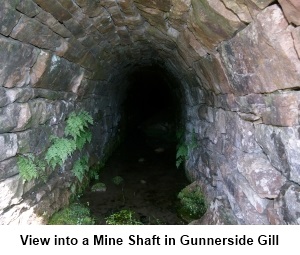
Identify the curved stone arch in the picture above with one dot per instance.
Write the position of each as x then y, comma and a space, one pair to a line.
237, 65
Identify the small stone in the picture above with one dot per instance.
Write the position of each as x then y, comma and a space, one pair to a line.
159, 150
99, 187
117, 180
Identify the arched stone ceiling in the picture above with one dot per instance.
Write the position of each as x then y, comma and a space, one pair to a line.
237, 66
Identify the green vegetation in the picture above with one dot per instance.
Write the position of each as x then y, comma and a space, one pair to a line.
123, 217
59, 151
77, 125
192, 203
75, 214
183, 149
80, 168
117, 180
76, 135
30, 168
100, 186
181, 154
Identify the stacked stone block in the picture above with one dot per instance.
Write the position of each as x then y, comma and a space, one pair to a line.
238, 69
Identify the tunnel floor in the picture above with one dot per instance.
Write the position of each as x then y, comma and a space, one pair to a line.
151, 182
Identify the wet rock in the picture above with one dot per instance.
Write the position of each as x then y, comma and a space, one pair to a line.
241, 54
55, 8
282, 110
291, 207
3, 98
248, 199
155, 17
19, 117
8, 168
12, 190
274, 213
281, 146
21, 214
249, 116
26, 30
210, 70
34, 140
90, 8
48, 20
263, 178
57, 73
8, 146
20, 95
28, 7
40, 112
217, 214
8, 19
179, 12
241, 133
291, 9
262, 3
8, 120
296, 37
16, 61
212, 22
241, 8
156, 4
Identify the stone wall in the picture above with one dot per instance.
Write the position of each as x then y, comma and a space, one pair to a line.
237, 63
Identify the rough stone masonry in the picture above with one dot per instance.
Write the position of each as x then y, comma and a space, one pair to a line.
237, 63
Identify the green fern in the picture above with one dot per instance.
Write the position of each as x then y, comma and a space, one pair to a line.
76, 136
77, 124
31, 168
80, 168
182, 152
95, 169
41, 165
183, 149
76, 128
59, 151
83, 139
28, 169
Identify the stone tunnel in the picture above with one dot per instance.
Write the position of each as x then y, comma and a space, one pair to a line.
235, 71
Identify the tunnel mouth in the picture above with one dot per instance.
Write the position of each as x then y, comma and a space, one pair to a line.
237, 72
151, 109
145, 159
150, 98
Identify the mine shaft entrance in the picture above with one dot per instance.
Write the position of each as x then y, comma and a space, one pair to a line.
149, 98
150, 110
145, 161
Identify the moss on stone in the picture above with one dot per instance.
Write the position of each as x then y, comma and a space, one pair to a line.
124, 217
75, 214
193, 204
99, 187
117, 180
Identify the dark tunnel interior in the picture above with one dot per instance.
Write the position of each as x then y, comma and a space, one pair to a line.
145, 159
149, 98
